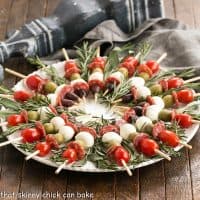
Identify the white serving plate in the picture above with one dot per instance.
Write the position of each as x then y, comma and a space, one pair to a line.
92, 108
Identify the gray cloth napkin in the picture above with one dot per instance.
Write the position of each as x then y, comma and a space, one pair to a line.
166, 35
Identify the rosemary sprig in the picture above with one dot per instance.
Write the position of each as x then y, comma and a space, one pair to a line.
51, 71
27, 147
13, 129
36, 61
5, 90
10, 104
84, 55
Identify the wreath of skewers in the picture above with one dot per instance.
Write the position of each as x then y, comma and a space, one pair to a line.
150, 109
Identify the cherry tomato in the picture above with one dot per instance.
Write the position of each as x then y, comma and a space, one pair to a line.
169, 137
14, 120
21, 95
70, 155
148, 147
43, 147
175, 82
132, 59
130, 66
121, 154
70, 64
97, 62
185, 96
30, 135
35, 82
184, 120
153, 65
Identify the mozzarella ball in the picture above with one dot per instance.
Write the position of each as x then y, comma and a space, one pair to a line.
80, 80
96, 76
142, 121
137, 82
85, 138
53, 99
152, 112
126, 130
158, 101
43, 112
111, 138
58, 122
67, 132
118, 75
143, 92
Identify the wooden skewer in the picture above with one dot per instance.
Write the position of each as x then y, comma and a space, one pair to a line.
186, 145
163, 154
192, 80
105, 92
162, 57
117, 101
194, 121
10, 71
8, 96
32, 155
98, 51
127, 168
3, 124
11, 141
58, 170
65, 54
95, 97
138, 55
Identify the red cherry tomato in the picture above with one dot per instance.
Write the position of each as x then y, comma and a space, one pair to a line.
121, 154
169, 137
30, 135
89, 130
153, 65
97, 62
175, 82
43, 147
130, 66
14, 120
35, 82
70, 64
21, 95
132, 59
184, 120
185, 96
70, 155
148, 147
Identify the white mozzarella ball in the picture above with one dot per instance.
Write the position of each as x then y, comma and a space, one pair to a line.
43, 112
152, 112
58, 122
137, 82
96, 76
142, 121
85, 138
67, 132
126, 130
158, 101
80, 80
53, 99
143, 92
111, 138
118, 75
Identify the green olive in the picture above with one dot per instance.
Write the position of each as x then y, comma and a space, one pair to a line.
49, 128
39, 97
124, 71
147, 128
59, 138
165, 115
168, 100
33, 115
156, 89
50, 87
144, 75
75, 76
